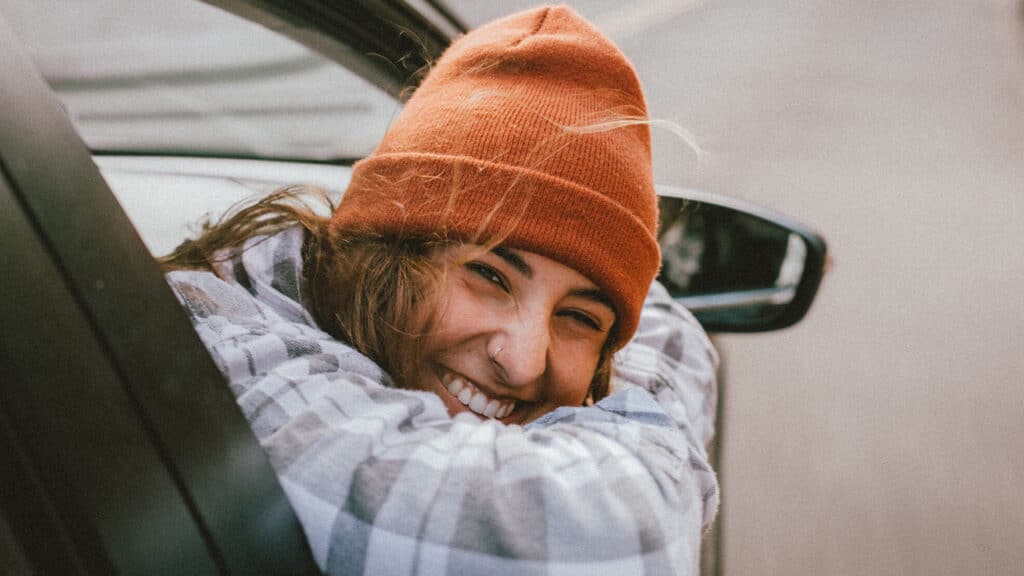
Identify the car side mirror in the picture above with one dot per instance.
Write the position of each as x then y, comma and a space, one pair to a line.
737, 266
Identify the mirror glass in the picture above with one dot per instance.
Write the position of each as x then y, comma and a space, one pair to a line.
735, 268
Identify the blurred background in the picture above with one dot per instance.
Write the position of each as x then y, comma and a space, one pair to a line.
885, 433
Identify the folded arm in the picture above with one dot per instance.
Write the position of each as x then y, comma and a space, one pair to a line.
385, 482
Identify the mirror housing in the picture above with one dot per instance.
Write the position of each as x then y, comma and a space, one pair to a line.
737, 266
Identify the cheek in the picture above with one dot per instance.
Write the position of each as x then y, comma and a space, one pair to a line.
450, 314
573, 372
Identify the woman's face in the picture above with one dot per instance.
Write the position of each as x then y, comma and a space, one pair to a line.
515, 334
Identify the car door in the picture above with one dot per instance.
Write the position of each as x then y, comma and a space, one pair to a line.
122, 449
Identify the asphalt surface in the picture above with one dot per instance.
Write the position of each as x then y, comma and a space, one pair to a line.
885, 433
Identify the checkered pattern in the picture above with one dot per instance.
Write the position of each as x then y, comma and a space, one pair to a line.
384, 481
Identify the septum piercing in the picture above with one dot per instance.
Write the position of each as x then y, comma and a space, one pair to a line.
494, 355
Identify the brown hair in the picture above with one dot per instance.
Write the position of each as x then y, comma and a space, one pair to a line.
363, 287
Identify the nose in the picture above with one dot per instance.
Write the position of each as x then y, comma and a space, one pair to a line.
524, 344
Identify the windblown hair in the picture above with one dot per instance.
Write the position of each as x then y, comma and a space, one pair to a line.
364, 289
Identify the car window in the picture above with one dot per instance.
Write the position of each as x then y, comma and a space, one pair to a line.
186, 78
153, 85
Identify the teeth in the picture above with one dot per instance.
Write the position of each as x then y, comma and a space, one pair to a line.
478, 403
476, 400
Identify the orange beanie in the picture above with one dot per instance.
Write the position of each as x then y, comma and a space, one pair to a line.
524, 132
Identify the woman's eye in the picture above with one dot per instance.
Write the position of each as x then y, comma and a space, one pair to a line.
584, 319
488, 273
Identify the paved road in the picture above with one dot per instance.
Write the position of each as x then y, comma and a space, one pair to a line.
885, 434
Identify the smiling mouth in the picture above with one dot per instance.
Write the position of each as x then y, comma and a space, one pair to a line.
473, 398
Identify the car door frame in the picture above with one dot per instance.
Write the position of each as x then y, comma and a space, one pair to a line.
122, 447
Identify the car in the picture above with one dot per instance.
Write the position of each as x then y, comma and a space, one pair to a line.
123, 123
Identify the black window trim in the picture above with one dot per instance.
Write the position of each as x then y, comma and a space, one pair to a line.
387, 42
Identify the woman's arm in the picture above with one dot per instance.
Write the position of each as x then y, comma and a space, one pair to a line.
385, 482
671, 357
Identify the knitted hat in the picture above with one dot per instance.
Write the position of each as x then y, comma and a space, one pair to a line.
525, 131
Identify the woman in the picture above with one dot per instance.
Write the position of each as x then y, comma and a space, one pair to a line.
477, 284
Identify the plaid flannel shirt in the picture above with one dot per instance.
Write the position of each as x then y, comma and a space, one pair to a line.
384, 481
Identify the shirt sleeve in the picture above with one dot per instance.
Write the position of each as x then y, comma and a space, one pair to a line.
672, 358
384, 481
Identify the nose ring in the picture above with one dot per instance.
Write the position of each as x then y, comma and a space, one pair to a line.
494, 355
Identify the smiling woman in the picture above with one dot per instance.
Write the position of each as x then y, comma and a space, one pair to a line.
466, 365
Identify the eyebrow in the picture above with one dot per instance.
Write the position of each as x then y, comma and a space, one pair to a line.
514, 260
596, 295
